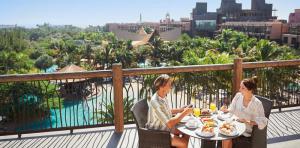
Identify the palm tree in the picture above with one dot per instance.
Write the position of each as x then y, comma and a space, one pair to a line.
142, 53
268, 50
156, 51
44, 62
88, 52
124, 53
106, 115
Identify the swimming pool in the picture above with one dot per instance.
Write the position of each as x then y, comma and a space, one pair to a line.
74, 113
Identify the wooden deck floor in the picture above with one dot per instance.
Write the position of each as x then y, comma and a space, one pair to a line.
283, 126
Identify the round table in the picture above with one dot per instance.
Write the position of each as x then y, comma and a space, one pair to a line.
241, 128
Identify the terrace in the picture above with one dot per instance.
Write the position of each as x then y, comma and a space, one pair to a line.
283, 131
32, 104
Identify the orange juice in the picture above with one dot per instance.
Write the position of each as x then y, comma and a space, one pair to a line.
197, 112
212, 107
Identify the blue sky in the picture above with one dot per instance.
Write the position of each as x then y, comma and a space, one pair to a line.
98, 12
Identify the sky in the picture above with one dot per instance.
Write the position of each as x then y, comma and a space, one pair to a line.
82, 13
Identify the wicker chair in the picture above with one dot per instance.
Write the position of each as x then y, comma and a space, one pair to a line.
258, 138
148, 138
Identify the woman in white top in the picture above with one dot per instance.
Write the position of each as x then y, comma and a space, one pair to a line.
160, 114
247, 108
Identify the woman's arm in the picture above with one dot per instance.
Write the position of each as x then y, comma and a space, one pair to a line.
247, 121
174, 120
260, 118
232, 105
179, 110
164, 118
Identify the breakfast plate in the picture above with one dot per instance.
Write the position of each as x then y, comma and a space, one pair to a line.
228, 129
224, 116
205, 131
191, 125
209, 122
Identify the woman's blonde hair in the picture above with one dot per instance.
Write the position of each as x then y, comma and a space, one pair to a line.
161, 81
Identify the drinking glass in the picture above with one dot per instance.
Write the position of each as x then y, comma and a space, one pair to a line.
197, 112
212, 107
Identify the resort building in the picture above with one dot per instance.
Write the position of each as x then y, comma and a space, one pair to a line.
203, 23
292, 38
168, 29
261, 30
8, 26
206, 23
232, 11
295, 17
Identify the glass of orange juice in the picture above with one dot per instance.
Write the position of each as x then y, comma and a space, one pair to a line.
212, 107
197, 112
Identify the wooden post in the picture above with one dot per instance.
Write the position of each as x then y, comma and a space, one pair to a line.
118, 97
237, 74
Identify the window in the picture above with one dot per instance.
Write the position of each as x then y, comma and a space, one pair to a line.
293, 40
285, 39
205, 24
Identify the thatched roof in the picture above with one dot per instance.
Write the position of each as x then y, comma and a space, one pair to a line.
69, 69
72, 68
144, 41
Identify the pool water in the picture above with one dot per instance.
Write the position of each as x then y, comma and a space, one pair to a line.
52, 69
74, 113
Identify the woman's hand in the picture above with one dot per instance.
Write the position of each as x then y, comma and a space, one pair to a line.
174, 120
241, 120
224, 109
187, 111
247, 121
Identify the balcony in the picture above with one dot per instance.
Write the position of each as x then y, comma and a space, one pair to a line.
283, 131
91, 108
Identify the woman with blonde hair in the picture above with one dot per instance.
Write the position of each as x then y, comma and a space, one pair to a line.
160, 113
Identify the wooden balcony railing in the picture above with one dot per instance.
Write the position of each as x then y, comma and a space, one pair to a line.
66, 101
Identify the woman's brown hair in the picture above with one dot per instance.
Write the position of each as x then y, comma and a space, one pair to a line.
250, 83
162, 80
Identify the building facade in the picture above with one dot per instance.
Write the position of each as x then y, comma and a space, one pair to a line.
295, 17
229, 11
203, 23
168, 29
292, 38
8, 26
232, 11
260, 30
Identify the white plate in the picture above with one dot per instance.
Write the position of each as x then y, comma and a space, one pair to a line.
191, 126
185, 119
233, 133
192, 123
224, 116
204, 134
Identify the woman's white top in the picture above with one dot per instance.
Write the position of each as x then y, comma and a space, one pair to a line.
159, 113
254, 112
